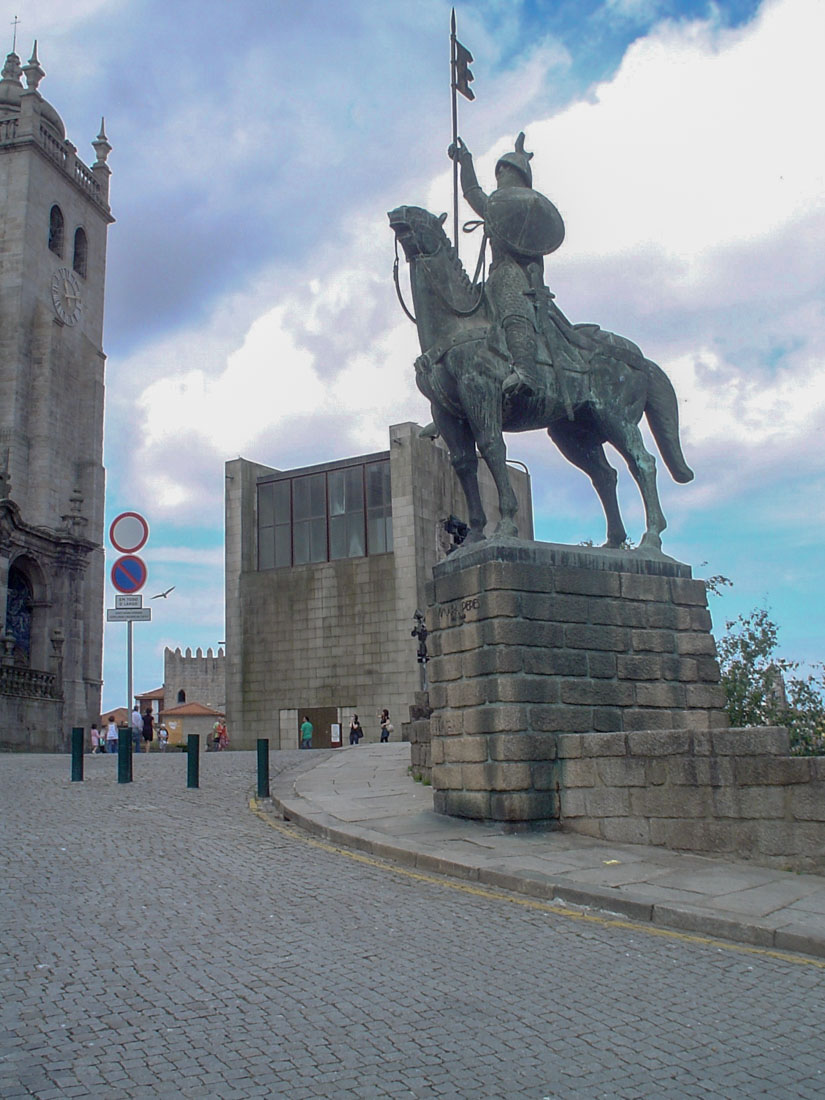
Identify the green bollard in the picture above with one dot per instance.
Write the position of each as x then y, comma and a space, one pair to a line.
193, 762
263, 767
77, 754
124, 756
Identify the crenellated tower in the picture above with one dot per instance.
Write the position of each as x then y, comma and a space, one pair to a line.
54, 221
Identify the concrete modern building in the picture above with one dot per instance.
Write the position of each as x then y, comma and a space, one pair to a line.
325, 568
53, 229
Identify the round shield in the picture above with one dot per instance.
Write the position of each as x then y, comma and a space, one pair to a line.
524, 221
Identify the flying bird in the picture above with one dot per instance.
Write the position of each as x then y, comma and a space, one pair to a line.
163, 595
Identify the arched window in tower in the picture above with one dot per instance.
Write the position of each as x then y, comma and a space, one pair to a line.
56, 230
181, 696
19, 606
80, 250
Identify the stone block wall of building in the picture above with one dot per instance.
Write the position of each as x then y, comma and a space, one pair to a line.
200, 677
51, 411
320, 636
30, 725
417, 732
734, 792
533, 639
338, 634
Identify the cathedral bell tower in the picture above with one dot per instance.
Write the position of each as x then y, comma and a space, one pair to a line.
54, 218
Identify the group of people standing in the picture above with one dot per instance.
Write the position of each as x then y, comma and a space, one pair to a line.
356, 730
220, 737
143, 733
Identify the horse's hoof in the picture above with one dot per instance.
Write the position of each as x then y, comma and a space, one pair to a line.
650, 541
507, 528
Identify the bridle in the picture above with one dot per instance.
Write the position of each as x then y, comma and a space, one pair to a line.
468, 227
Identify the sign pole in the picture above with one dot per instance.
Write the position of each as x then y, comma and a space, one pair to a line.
129, 668
128, 533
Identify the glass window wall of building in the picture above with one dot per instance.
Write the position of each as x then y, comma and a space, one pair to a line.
325, 516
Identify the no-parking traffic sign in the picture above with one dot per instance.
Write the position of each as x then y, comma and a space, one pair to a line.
129, 573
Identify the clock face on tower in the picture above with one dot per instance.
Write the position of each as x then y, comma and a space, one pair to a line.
66, 295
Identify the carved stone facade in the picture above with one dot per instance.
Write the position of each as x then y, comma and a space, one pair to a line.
53, 230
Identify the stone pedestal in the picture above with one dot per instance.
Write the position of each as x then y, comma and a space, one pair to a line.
531, 640
417, 732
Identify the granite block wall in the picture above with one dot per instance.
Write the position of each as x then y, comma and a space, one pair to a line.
417, 732
733, 792
201, 677
530, 640
338, 634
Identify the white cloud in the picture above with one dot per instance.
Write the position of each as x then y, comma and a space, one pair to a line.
685, 182
702, 139
748, 410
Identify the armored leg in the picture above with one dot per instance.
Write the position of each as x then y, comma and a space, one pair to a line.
521, 344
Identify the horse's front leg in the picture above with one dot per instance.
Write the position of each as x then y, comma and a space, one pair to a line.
462, 447
481, 398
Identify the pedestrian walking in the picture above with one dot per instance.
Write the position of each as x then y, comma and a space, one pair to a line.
148, 730
111, 735
355, 730
306, 733
95, 735
163, 737
386, 725
221, 735
137, 728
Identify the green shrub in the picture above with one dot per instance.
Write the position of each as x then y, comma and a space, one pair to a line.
765, 690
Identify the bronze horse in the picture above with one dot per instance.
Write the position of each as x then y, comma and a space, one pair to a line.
597, 386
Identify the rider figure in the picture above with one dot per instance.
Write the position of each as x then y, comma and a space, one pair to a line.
523, 226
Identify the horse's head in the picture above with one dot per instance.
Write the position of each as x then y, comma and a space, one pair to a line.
419, 232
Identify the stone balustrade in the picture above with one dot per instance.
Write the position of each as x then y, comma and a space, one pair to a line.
84, 178
29, 683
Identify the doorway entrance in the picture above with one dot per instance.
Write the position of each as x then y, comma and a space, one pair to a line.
322, 719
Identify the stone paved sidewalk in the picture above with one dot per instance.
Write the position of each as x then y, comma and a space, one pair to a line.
363, 797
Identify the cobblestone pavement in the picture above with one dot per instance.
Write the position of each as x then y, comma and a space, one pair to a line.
160, 942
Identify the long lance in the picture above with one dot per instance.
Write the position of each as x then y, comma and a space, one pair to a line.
454, 90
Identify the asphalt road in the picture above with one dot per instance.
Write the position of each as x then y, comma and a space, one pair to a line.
160, 942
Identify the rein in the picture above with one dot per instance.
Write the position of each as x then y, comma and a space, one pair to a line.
397, 282
468, 227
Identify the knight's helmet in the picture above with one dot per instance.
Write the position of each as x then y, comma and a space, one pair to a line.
519, 160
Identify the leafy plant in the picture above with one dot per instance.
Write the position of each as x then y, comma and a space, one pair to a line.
765, 690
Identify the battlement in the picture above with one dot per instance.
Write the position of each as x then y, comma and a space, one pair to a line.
194, 679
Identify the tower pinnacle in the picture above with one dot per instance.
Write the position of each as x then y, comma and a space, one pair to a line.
34, 71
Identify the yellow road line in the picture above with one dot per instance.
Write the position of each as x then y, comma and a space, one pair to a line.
488, 892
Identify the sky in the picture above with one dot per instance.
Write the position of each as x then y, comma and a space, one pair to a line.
250, 310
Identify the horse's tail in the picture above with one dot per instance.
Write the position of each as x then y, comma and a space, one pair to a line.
662, 412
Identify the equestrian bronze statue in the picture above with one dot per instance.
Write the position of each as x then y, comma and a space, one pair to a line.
500, 356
